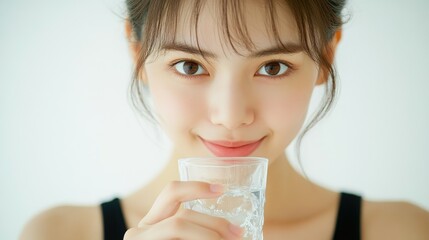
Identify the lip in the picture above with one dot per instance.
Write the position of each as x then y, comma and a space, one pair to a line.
231, 148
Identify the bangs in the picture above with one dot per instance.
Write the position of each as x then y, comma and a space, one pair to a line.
160, 25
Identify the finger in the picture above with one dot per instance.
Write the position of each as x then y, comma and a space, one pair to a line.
132, 233
176, 192
173, 228
220, 225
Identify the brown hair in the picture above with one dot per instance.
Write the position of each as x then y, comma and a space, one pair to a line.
154, 25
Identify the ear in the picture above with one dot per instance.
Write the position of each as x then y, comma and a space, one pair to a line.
323, 75
133, 44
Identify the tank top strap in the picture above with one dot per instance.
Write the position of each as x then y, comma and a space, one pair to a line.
114, 226
348, 224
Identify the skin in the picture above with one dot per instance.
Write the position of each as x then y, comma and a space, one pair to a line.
231, 100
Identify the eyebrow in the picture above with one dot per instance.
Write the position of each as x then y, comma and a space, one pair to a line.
287, 48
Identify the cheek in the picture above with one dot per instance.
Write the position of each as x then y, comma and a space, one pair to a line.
286, 114
285, 109
176, 109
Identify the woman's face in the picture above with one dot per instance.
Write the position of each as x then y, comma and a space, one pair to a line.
230, 104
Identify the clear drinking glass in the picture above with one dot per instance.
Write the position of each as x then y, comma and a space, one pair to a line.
244, 180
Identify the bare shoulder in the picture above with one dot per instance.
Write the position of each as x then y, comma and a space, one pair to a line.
394, 220
65, 222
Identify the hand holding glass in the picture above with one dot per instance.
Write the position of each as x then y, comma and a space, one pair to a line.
244, 181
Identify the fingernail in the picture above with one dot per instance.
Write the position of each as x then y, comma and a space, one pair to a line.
238, 231
216, 188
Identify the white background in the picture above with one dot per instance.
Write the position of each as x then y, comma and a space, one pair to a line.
68, 133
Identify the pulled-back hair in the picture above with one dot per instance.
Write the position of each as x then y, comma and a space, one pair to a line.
154, 25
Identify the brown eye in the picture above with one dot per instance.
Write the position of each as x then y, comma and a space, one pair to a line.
273, 69
189, 68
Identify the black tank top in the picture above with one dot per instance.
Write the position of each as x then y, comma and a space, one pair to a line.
348, 223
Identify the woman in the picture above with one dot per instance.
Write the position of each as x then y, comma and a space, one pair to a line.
233, 78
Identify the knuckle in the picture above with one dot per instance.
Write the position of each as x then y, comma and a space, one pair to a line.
173, 185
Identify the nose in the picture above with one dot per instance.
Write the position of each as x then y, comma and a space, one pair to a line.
231, 103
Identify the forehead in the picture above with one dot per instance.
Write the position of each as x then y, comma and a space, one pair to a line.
235, 26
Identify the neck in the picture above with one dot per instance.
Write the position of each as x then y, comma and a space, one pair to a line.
290, 196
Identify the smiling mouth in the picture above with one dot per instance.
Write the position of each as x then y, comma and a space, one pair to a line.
232, 149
